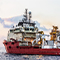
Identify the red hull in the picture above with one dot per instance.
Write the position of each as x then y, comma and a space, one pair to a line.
16, 49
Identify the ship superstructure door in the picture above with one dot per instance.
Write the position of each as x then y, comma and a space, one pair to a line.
58, 40
58, 37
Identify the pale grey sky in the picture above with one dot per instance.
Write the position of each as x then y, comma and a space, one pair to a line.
46, 12
10, 8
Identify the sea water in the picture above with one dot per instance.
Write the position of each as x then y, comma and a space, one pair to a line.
6, 56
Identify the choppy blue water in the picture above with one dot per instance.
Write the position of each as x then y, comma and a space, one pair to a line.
5, 56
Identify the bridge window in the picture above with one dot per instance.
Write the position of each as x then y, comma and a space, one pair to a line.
27, 29
32, 29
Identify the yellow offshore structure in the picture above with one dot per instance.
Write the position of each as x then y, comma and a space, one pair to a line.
53, 33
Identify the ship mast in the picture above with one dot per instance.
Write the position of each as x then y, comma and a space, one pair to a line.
29, 16
27, 19
26, 14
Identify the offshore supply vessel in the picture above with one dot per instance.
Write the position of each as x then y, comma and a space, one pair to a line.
25, 38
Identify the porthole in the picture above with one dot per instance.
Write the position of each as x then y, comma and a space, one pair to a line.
17, 46
6, 43
10, 47
12, 43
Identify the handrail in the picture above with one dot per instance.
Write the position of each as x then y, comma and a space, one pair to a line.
13, 39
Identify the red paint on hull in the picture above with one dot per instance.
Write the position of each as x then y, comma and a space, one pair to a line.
16, 49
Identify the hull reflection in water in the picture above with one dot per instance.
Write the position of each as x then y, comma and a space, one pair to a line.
4, 56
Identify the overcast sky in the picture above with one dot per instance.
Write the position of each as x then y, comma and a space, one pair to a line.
47, 12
